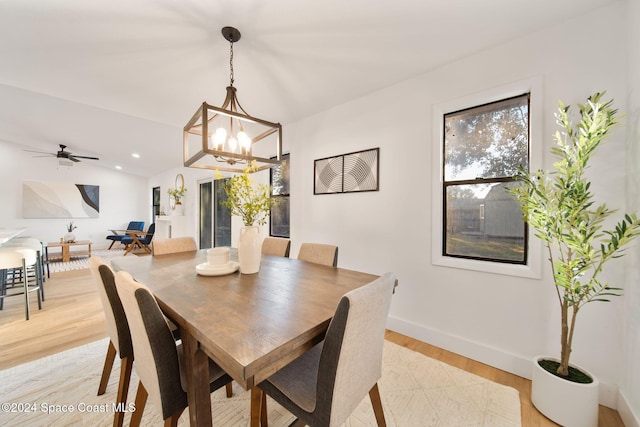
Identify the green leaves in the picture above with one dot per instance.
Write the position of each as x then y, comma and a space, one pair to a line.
252, 202
559, 206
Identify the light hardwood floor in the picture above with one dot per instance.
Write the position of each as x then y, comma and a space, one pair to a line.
72, 315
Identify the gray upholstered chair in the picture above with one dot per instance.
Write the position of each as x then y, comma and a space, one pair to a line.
324, 385
158, 359
118, 329
174, 245
276, 246
319, 253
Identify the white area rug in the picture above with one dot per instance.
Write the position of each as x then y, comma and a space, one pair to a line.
416, 391
80, 262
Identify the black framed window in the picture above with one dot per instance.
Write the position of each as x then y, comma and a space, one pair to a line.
155, 196
279, 181
483, 148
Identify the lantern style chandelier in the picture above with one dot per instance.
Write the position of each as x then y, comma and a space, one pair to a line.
226, 138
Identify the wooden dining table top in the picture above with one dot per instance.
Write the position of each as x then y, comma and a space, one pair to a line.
249, 324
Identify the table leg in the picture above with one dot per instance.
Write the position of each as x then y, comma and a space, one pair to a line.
66, 257
197, 370
257, 402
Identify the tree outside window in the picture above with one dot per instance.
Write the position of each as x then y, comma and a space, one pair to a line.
483, 148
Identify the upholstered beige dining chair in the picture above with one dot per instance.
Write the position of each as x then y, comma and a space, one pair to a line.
324, 385
158, 359
174, 245
319, 253
276, 246
118, 329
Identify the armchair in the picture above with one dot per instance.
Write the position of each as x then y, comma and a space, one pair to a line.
131, 240
133, 225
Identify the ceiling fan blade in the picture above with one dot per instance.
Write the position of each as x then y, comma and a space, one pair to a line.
39, 152
86, 157
73, 158
44, 155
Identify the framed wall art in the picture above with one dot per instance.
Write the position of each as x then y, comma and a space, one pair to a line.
347, 173
60, 200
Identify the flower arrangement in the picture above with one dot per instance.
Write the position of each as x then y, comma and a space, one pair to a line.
247, 200
177, 193
71, 227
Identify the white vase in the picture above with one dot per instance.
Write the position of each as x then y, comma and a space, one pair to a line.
69, 237
564, 402
249, 249
179, 209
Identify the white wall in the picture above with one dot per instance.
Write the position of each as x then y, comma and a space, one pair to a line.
501, 320
123, 197
630, 393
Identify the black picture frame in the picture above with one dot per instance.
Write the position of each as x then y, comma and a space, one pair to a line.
347, 173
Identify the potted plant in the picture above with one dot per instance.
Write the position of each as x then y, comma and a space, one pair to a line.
559, 206
69, 237
252, 202
177, 194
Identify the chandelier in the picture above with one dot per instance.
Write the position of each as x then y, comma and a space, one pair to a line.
226, 138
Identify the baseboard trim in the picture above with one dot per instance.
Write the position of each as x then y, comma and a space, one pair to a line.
629, 418
492, 356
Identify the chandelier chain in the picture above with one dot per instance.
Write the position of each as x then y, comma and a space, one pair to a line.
231, 63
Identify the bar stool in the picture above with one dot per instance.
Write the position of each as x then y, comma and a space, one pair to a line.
19, 259
36, 245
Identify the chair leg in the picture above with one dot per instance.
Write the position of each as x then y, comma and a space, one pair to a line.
141, 400
123, 388
376, 402
106, 370
111, 245
172, 421
229, 389
25, 281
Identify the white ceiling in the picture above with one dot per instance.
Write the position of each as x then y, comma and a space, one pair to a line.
84, 72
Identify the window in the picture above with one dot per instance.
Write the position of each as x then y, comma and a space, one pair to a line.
483, 147
279, 181
155, 207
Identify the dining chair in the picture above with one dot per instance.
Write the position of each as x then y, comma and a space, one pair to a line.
133, 225
158, 359
319, 253
174, 245
278, 246
17, 261
324, 385
118, 329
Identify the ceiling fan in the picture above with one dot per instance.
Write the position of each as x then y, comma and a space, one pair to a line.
63, 154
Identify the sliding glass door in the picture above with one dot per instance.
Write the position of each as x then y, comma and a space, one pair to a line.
214, 219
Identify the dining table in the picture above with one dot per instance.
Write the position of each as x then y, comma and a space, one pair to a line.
251, 325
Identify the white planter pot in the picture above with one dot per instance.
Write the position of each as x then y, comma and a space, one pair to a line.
564, 402
249, 249
69, 237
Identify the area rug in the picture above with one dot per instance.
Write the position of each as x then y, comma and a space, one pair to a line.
81, 262
416, 391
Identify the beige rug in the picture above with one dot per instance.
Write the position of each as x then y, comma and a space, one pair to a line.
416, 391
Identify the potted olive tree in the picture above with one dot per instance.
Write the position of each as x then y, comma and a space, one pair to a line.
560, 207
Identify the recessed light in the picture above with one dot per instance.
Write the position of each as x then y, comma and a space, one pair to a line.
135, 155
119, 167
